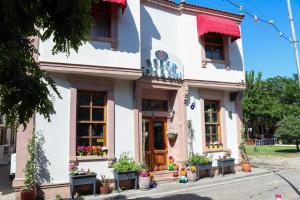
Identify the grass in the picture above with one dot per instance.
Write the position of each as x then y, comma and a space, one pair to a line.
272, 150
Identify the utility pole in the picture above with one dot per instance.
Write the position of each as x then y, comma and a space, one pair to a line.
294, 41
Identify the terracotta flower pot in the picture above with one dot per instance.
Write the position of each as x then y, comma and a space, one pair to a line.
28, 194
104, 189
246, 167
175, 174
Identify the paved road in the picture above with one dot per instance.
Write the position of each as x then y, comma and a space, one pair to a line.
263, 187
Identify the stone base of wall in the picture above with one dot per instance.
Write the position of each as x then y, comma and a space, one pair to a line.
49, 191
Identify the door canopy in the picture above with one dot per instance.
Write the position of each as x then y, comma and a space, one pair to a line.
209, 23
122, 3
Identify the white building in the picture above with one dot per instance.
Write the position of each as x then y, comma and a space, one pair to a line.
7, 141
152, 68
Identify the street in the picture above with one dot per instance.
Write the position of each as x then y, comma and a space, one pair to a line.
263, 187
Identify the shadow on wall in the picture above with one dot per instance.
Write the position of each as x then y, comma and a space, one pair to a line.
235, 57
148, 31
128, 36
42, 174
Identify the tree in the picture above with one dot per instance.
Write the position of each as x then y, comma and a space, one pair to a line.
289, 129
266, 102
251, 99
24, 88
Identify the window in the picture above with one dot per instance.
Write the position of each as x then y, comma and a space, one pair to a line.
91, 118
102, 16
212, 122
2, 137
214, 46
154, 105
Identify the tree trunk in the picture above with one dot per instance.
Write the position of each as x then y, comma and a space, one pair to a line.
297, 145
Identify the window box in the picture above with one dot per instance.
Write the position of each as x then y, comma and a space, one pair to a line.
204, 167
76, 180
226, 163
125, 176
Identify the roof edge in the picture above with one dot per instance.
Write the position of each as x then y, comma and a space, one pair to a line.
184, 7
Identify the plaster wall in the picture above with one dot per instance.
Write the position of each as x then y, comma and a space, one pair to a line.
127, 54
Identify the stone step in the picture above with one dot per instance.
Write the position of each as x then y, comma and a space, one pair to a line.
164, 176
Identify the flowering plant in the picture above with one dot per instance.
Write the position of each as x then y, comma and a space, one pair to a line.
91, 150
80, 150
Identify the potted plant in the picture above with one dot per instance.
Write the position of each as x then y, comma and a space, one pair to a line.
172, 135
246, 166
144, 177
200, 162
125, 168
104, 188
28, 192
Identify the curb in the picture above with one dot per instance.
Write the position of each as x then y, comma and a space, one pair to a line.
189, 188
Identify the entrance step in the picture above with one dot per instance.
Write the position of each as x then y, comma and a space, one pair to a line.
164, 176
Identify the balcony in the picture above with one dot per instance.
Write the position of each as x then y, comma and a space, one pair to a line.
163, 65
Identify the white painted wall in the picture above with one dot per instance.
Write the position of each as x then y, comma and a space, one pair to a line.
124, 117
177, 34
127, 54
56, 133
195, 116
231, 125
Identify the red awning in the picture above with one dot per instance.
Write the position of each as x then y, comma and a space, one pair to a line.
208, 23
122, 3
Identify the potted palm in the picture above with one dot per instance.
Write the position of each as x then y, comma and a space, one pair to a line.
28, 192
246, 166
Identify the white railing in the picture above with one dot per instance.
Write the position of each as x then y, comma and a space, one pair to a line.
265, 141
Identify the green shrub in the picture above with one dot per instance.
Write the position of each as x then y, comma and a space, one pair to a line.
198, 159
126, 163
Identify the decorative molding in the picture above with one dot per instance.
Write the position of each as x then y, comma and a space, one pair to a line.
90, 69
215, 84
184, 7
160, 83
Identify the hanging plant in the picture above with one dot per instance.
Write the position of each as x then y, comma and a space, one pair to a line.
172, 135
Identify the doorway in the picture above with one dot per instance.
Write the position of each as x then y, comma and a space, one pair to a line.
156, 147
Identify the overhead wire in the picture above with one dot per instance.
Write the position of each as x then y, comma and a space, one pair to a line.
256, 19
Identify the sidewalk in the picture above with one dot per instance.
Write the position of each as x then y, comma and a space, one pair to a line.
165, 188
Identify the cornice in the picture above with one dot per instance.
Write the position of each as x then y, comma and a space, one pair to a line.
184, 7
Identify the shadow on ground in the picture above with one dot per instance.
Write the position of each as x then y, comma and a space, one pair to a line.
287, 151
290, 183
5, 182
170, 197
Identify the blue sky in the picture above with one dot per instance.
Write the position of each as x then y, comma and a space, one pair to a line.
264, 50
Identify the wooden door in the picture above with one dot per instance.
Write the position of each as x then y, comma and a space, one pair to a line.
155, 143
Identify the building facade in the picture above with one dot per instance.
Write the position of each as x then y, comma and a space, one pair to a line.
150, 68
